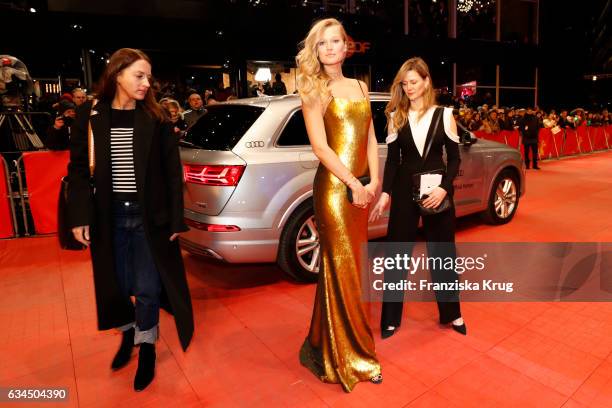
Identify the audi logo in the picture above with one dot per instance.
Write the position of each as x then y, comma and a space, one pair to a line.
257, 143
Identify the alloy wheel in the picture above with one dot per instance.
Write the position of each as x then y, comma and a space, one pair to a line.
307, 246
505, 198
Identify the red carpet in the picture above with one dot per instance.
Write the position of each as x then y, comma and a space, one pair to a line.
251, 321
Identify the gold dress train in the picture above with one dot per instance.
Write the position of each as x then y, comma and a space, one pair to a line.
340, 346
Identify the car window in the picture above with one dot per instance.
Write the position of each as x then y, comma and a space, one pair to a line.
294, 133
380, 120
221, 127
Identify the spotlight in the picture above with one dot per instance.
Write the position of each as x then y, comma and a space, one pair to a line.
263, 75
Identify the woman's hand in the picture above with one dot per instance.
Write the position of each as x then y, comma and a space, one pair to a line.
360, 194
174, 236
371, 188
434, 198
81, 234
379, 207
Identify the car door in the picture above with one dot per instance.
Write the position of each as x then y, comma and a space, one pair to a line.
469, 182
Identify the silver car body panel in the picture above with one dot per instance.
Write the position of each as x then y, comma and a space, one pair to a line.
277, 179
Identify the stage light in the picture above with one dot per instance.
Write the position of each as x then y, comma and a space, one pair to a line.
32, 10
263, 75
594, 77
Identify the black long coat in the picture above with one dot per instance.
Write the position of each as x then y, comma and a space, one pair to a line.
159, 183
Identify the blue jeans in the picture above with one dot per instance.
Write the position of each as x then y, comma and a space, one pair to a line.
136, 272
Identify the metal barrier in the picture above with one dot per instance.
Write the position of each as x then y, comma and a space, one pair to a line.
23, 133
9, 197
23, 194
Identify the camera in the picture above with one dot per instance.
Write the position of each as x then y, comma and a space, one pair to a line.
16, 85
67, 119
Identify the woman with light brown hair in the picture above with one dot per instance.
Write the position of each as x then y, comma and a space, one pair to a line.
340, 346
419, 133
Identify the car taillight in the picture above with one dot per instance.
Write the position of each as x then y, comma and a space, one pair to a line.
212, 175
211, 227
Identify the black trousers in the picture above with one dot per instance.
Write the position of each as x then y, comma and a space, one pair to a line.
440, 235
533, 149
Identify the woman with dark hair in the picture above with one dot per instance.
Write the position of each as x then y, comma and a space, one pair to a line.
419, 133
130, 212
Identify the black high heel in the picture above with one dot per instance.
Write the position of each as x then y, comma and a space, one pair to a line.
386, 333
460, 328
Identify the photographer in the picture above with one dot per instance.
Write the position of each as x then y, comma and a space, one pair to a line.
58, 135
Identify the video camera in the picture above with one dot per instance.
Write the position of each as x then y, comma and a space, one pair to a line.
16, 84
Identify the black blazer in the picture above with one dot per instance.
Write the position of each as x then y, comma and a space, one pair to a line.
404, 159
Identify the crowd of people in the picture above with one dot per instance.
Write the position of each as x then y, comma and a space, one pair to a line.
494, 119
183, 106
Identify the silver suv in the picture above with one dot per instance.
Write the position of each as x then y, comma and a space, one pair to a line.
248, 170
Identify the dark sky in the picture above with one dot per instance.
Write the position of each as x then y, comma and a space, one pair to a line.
573, 42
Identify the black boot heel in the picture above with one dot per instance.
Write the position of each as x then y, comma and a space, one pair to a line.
125, 350
146, 366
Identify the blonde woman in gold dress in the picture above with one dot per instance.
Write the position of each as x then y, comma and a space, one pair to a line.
340, 346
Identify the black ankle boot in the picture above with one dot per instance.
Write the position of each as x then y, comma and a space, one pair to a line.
146, 366
125, 350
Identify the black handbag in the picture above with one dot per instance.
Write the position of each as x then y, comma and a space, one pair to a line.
365, 180
64, 231
445, 205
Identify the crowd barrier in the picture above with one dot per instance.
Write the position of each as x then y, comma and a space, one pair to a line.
565, 142
44, 169
43, 173
8, 225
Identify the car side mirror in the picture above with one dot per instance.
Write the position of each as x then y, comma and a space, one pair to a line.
466, 137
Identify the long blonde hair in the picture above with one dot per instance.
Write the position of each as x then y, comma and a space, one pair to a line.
399, 103
312, 80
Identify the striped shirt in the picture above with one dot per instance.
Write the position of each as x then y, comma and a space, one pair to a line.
122, 152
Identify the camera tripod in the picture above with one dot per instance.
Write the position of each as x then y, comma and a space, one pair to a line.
21, 129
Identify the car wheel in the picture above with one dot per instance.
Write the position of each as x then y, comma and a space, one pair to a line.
299, 248
503, 200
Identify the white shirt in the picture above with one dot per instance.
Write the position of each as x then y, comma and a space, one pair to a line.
419, 128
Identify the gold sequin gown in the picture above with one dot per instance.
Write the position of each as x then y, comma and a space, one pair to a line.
340, 346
